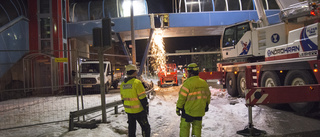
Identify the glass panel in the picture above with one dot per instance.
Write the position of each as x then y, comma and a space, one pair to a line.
44, 6
90, 68
63, 9
273, 4
45, 46
45, 27
247, 4
206, 5
65, 50
24, 6
241, 29
182, 6
18, 6
9, 7
3, 17
81, 12
192, 5
229, 37
96, 10
233, 5
66, 75
64, 28
220, 5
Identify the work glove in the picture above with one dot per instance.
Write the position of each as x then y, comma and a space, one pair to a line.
207, 108
178, 111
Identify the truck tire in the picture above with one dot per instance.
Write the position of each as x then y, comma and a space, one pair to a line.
231, 84
270, 79
115, 84
298, 78
241, 82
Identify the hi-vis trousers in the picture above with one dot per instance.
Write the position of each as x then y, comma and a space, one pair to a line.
185, 128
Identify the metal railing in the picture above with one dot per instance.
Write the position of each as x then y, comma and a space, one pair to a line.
76, 114
90, 124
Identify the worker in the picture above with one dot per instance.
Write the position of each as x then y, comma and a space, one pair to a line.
135, 102
194, 98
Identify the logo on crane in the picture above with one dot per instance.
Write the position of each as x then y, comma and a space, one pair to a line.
245, 47
275, 38
305, 41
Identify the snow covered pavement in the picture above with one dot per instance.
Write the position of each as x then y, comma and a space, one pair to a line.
225, 117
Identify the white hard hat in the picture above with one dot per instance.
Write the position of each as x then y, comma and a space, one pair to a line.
131, 67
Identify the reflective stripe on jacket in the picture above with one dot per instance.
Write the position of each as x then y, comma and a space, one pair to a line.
194, 94
131, 93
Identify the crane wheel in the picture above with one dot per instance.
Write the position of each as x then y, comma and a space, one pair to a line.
270, 79
241, 82
299, 78
231, 83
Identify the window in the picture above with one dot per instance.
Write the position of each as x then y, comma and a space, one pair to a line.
229, 37
3, 17
66, 73
206, 5
44, 6
80, 12
233, 34
220, 5
63, 9
65, 50
192, 5
90, 68
110, 8
247, 4
96, 11
24, 5
233, 5
45, 27
273, 4
45, 46
64, 21
17, 6
241, 29
10, 9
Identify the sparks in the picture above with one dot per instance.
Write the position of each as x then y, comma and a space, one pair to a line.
158, 51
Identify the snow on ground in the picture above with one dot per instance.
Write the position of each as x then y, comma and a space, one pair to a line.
226, 115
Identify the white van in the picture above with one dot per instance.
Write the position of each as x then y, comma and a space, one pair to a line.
90, 75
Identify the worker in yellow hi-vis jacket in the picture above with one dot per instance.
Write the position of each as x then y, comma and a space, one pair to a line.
193, 102
135, 102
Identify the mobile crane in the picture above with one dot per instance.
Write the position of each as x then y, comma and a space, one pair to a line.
281, 56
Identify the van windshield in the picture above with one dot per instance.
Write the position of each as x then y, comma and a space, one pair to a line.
90, 68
